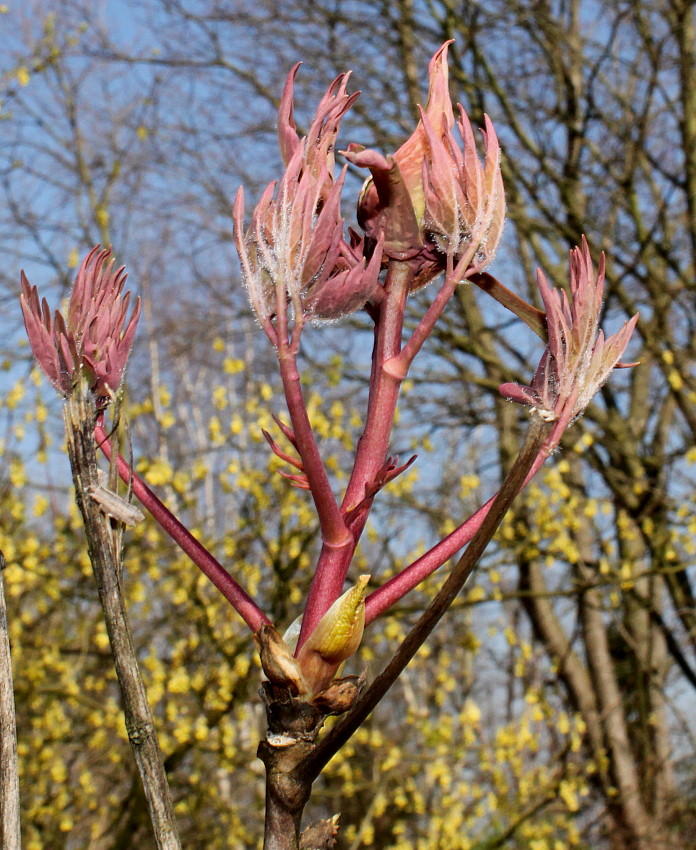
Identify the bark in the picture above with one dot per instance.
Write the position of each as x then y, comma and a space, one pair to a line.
9, 767
293, 726
684, 27
636, 821
105, 557
648, 645
638, 770
573, 673
637, 828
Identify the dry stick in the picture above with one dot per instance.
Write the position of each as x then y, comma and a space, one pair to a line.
79, 423
9, 768
314, 763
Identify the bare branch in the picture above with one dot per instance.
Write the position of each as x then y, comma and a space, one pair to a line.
9, 767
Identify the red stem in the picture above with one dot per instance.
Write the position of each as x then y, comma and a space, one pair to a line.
333, 529
397, 587
242, 603
401, 362
333, 563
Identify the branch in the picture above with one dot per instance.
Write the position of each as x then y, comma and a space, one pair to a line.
313, 764
10, 831
105, 557
333, 565
411, 576
238, 598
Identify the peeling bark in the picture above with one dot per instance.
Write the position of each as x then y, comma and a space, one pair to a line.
293, 726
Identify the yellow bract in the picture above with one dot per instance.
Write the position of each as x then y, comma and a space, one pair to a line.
339, 632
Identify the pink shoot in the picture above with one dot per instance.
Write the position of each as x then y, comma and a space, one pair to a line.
97, 337
242, 603
578, 359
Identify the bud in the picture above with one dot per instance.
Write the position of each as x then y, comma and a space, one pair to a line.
320, 835
434, 199
96, 339
578, 359
294, 249
278, 663
336, 637
340, 695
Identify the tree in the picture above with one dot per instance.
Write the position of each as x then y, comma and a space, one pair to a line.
562, 127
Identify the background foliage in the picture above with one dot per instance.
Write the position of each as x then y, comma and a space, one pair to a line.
551, 709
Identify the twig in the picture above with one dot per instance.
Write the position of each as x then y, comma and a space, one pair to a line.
238, 598
333, 563
9, 768
103, 553
315, 762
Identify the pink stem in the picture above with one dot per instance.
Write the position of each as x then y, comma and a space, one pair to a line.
333, 563
333, 529
384, 388
401, 362
242, 603
397, 587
